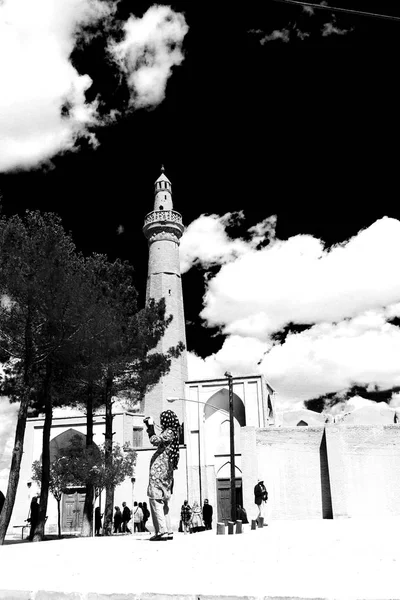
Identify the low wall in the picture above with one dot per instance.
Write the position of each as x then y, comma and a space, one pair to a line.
292, 462
364, 467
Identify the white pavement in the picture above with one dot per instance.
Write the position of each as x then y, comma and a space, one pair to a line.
346, 559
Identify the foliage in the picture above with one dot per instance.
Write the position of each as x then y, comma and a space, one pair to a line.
79, 465
59, 476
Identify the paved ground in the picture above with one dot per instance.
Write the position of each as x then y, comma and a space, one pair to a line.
349, 559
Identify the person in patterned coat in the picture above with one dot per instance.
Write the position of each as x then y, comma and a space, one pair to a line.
161, 476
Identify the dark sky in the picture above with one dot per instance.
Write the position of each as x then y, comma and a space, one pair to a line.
307, 130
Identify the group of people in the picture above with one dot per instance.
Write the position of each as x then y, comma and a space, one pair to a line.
140, 516
161, 482
194, 518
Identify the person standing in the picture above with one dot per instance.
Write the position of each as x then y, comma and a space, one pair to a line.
126, 517
207, 514
97, 520
161, 476
186, 513
137, 517
196, 521
117, 520
146, 515
33, 516
260, 497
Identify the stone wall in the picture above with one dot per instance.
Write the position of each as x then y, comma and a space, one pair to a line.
364, 468
289, 461
333, 471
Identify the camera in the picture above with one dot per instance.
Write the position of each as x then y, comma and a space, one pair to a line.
148, 421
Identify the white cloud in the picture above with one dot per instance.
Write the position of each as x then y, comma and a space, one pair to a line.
206, 241
38, 79
298, 281
346, 294
331, 29
43, 107
151, 47
277, 34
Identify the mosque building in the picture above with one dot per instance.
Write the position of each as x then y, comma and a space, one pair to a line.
348, 467
202, 406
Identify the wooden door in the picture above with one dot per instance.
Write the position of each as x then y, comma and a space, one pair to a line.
224, 498
72, 511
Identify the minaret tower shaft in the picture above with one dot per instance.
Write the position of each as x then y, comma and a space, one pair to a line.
163, 229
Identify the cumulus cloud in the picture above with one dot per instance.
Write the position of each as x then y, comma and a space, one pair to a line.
43, 107
347, 294
300, 281
151, 47
207, 242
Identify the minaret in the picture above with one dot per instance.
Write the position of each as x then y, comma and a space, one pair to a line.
163, 229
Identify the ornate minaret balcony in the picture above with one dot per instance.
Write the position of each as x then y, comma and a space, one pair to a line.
158, 221
163, 222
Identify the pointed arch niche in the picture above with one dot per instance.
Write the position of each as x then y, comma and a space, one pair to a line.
216, 424
221, 401
63, 441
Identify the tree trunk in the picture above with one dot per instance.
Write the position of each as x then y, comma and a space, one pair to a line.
87, 524
109, 503
45, 483
18, 449
13, 478
59, 517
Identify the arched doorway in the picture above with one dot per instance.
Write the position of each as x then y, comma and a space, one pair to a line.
73, 500
224, 492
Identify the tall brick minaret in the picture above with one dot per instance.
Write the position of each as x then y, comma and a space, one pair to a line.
163, 229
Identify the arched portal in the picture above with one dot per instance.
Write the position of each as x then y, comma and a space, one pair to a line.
73, 500
224, 491
220, 400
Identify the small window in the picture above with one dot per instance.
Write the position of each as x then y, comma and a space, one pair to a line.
302, 424
161, 207
165, 196
138, 437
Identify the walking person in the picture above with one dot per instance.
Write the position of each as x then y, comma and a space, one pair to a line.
117, 520
33, 516
186, 513
207, 514
260, 497
196, 520
161, 477
97, 520
137, 517
126, 517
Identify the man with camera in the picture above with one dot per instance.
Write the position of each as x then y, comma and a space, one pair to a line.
161, 476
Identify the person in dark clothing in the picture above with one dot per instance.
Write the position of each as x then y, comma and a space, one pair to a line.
97, 520
117, 520
126, 517
33, 516
207, 514
241, 514
146, 516
186, 513
260, 497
